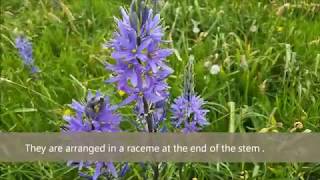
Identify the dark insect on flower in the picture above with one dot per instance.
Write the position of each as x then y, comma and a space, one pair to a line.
94, 105
95, 115
64, 128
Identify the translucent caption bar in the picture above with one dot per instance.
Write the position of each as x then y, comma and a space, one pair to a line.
157, 147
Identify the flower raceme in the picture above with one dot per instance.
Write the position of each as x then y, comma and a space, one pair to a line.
189, 113
187, 110
95, 115
25, 50
140, 70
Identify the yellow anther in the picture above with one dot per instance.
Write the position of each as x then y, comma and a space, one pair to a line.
121, 93
67, 112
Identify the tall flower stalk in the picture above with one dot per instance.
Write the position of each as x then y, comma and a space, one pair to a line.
24, 47
187, 109
140, 69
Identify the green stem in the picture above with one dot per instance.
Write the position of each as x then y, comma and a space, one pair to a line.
156, 171
180, 165
149, 121
232, 126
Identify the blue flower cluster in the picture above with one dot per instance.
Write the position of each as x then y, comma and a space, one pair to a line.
95, 115
25, 51
187, 110
140, 72
140, 68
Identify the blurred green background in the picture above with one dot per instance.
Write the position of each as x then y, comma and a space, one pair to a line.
268, 53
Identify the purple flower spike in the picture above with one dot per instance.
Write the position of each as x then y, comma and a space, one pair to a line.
190, 114
25, 50
187, 110
95, 115
140, 70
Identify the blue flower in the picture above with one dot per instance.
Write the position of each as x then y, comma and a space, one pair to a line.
100, 166
25, 50
140, 69
189, 113
95, 115
124, 170
190, 127
187, 109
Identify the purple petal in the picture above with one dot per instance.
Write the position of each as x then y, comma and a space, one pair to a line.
77, 106
129, 99
112, 169
134, 78
97, 171
124, 170
144, 45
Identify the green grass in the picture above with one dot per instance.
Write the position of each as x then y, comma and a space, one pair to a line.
270, 69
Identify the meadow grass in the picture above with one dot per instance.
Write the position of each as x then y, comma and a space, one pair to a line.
268, 54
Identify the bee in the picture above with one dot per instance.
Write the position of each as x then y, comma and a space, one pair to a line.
64, 128
94, 105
